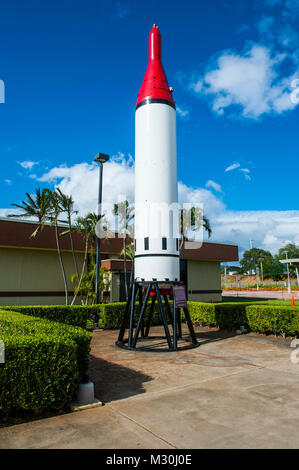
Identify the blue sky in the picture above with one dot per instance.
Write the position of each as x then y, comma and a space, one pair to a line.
72, 70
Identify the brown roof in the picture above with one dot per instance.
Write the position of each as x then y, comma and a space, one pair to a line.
15, 233
210, 251
116, 264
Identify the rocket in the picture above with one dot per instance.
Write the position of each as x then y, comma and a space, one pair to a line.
156, 186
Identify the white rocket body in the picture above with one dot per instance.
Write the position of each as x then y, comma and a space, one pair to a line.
156, 188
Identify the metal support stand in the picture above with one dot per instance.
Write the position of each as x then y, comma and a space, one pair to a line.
141, 333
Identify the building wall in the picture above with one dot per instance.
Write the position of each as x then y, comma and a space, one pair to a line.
204, 281
115, 287
34, 271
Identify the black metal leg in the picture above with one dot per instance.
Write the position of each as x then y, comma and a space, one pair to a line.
140, 307
190, 325
179, 323
132, 309
141, 315
126, 317
150, 316
168, 309
175, 340
163, 316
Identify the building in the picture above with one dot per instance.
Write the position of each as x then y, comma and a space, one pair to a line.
30, 273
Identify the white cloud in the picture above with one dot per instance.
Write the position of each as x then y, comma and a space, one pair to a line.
212, 184
246, 173
232, 167
6, 212
8, 181
265, 24
81, 181
183, 113
288, 37
269, 229
27, 164
249, 82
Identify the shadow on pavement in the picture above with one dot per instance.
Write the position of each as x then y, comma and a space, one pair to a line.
113, 381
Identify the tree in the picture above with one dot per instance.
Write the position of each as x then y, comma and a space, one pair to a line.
56, 210
37, 206
87, 284
130, 252
253, 258
192, 219
67, 205
45, 206
125, 214
85, 226
273, 269
292, 252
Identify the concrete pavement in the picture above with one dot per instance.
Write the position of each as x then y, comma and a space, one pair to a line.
231, 392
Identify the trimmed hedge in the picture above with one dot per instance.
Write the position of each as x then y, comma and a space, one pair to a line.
44, 362
277, 319
75, 315
224, 315
259, 317
111, 315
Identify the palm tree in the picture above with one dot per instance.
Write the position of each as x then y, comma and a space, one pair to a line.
38, 206
192, 219
56, 210
125, 214
67, 205
130, 253
86, 227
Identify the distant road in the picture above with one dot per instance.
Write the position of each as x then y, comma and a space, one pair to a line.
262, 294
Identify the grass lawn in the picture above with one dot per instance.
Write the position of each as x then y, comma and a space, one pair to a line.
261, 301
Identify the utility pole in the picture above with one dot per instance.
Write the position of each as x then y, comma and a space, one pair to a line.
251, 246
288, 268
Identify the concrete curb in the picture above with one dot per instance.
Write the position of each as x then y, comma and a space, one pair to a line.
94, 404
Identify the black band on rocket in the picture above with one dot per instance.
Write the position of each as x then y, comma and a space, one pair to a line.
154, 100
157, 254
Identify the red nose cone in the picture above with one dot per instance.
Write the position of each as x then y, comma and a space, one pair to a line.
155, 85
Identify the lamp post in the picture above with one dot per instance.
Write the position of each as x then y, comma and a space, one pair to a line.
99, 158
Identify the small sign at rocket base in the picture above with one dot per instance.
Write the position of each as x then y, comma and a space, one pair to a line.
179, 296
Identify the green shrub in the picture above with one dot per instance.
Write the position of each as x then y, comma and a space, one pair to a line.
75, 315
223, 315
44, 362
277, 319
111, 315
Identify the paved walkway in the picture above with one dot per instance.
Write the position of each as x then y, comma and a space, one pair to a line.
231, 392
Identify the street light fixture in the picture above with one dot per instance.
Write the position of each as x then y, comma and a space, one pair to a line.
100, 158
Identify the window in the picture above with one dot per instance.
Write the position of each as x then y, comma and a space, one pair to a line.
146, 243
135, 244
164, 243
177, 244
